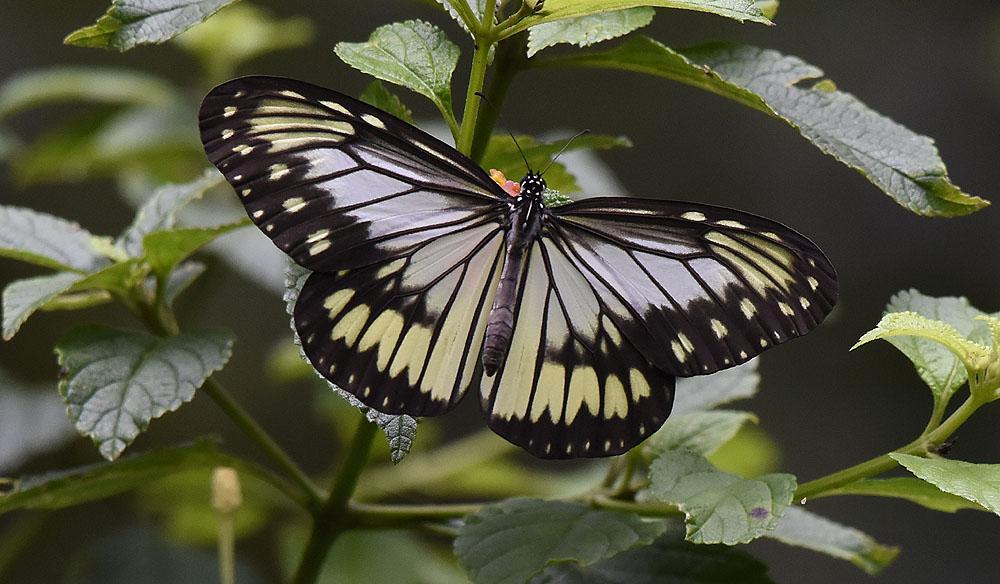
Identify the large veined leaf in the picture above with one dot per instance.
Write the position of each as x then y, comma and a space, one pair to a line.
554, 10
47, 241
802, 528
584, 31
414, 54
130, 23
937, 366
165, 249
720, 507
699, 432
509, 542
979, 483
160, 211
910, 489
668, 560
399, 430
23, 297
904, 164
378, 95
115, 382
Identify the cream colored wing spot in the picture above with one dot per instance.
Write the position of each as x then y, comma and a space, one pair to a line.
719, 329
763, 342
278, 170
246, 192
748, 308
685, 342
638, 384
239, 94
693, 216
813, 283
772, 235
373, 121
243, 149
351, 324
337, 107
730, 223
786, 310
258, 214
615, 400
294, 204
228, 133
229, 111
550, 392
611, 329
412, 352
390, 268
288, 93
319, 247
804, 302
317, 235
336, 302
743, 354
583, 391
679, 351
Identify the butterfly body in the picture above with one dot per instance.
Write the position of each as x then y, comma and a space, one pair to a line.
427, 274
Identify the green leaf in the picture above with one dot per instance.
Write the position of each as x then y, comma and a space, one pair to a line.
106, 85
45, 240
741, 10
705, 392
910, 489
414, 54
979, 483
584, 31
159, 213
166, 249
936, 365
502, 154
669, 559
905, 165
130, 23
478, 9
378, 95
769, 8
399, 430
910, 324
22, 298
801, 528
117, 381
720, 507
510, 541
750, 453
68, 488
699, 432
221, 50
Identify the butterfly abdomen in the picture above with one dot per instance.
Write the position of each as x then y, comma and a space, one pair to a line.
500, 329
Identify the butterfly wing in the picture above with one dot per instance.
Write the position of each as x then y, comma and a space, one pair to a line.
697, 288
403, 233
571, 384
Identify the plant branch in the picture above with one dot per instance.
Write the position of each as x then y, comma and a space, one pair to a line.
466, 14
160, 320
507, 63
334, 517
883, 463
477, 77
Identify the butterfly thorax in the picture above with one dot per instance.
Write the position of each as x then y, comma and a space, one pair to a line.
525, 222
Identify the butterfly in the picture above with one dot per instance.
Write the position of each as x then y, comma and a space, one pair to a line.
430, 280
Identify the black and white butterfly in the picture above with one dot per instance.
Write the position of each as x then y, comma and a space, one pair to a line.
430, 279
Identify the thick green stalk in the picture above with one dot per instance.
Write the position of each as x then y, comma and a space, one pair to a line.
477, 78
507, 63
334, 517
881, 464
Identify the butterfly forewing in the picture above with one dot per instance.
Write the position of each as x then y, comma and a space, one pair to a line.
572, 385
697, 288
335, 183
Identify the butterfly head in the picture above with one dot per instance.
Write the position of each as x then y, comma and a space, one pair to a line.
533, 185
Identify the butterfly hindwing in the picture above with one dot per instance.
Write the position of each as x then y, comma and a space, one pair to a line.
571, 385
697, 288
404, 335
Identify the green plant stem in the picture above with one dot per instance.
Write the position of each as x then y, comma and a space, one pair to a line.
226, 545
465, 13
883, 463
477, 78
259, 436
507, 63
160, 320
334, 517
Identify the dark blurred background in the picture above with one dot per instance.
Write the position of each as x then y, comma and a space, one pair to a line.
932, 66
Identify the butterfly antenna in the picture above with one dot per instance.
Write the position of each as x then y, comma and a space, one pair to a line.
506, 127
563, 149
